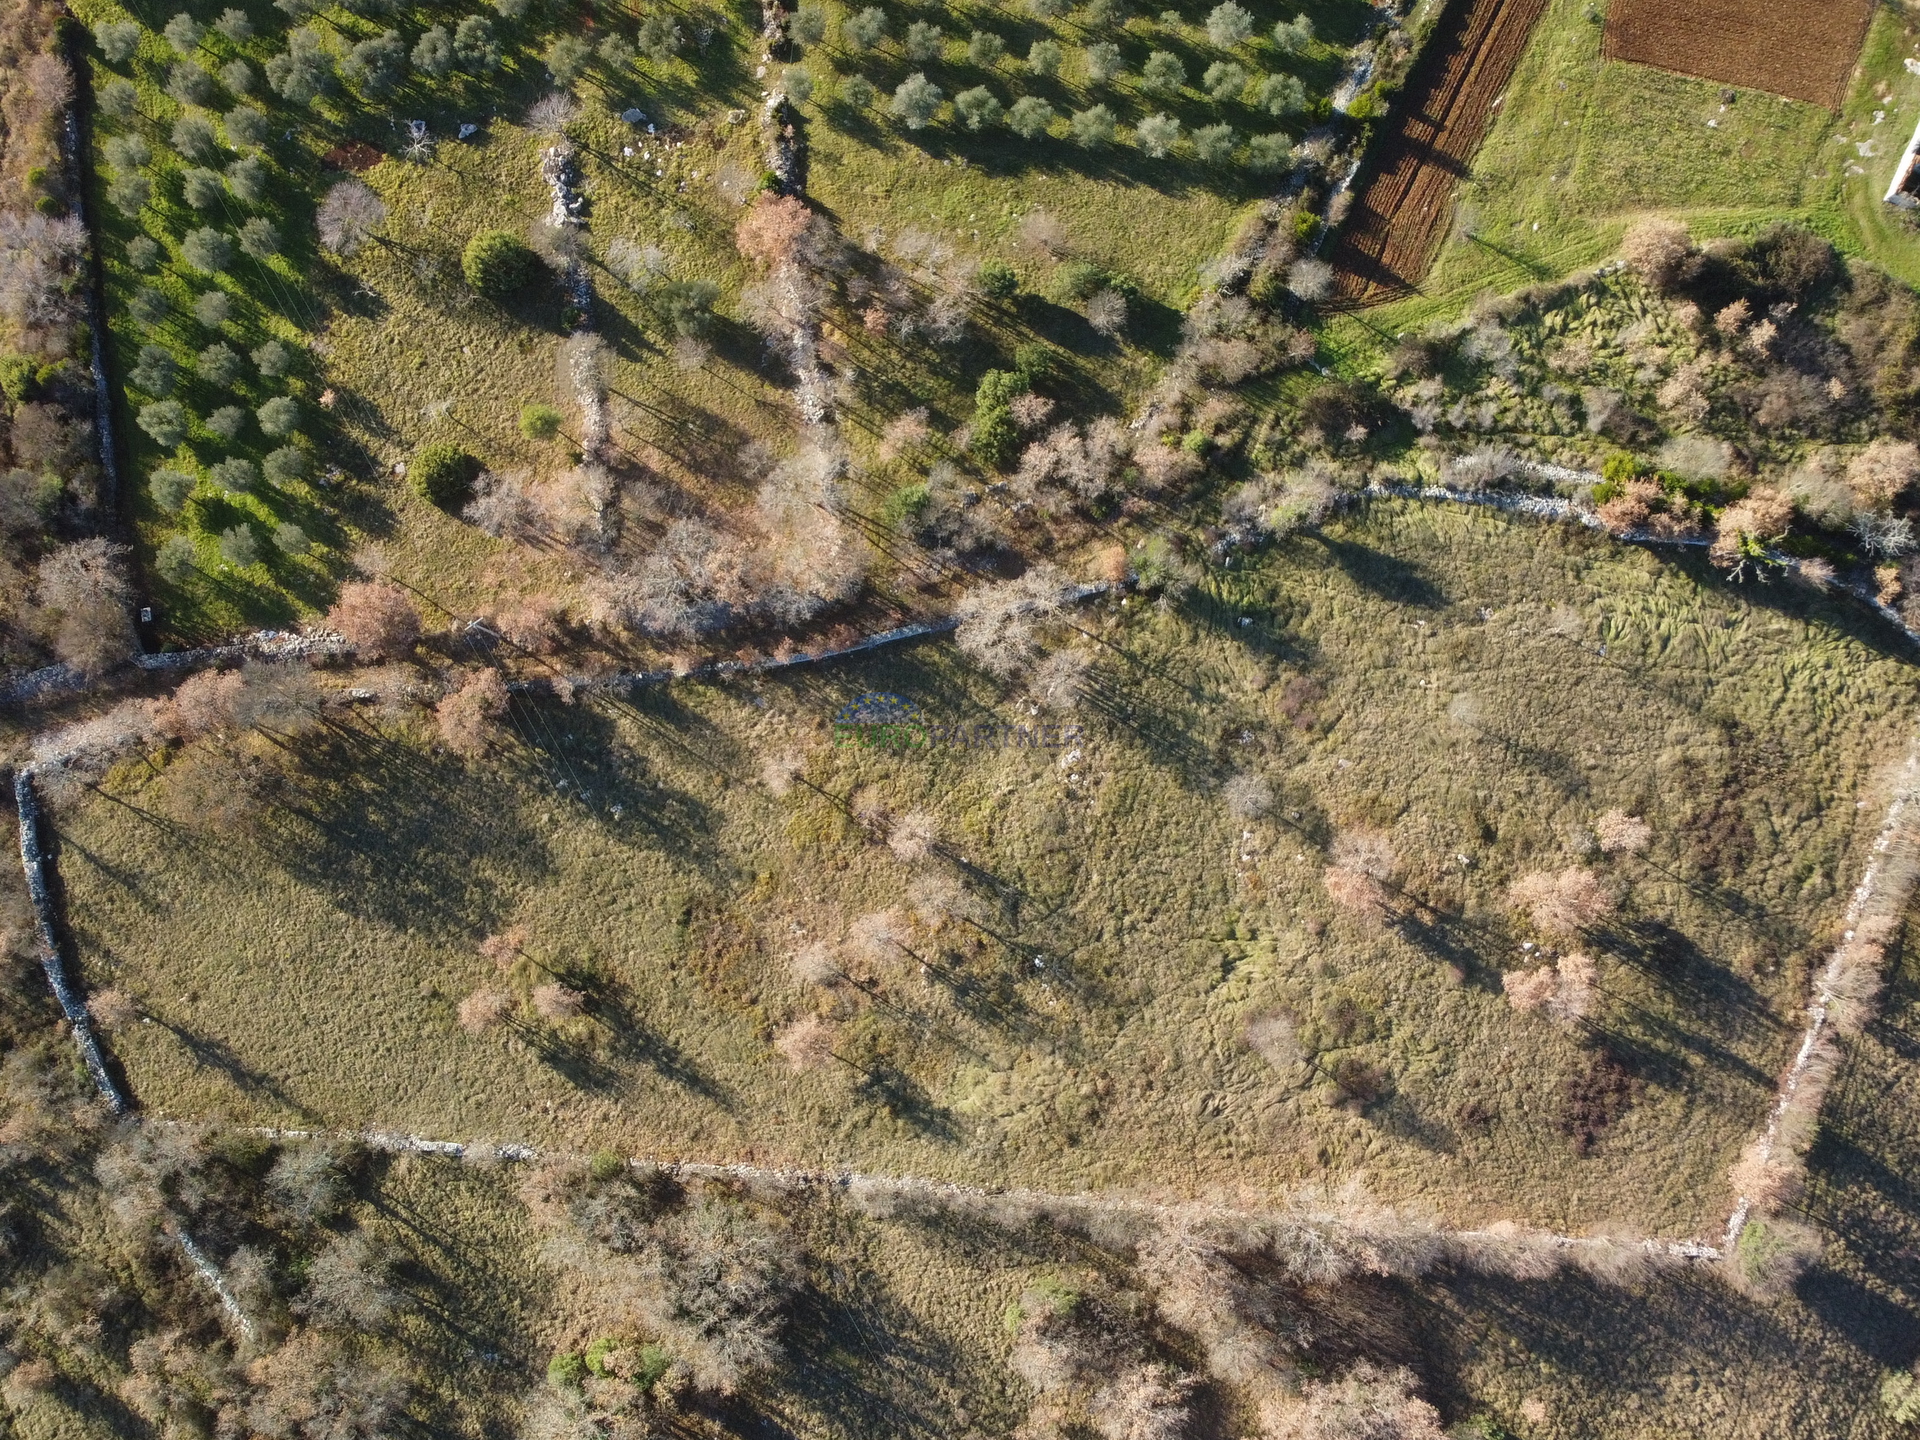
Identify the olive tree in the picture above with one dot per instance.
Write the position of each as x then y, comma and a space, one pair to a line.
915, 100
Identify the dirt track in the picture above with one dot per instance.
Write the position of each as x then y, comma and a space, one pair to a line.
1402, 210
1803, 49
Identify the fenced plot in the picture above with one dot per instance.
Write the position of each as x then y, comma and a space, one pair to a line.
1803, 49
1401, 211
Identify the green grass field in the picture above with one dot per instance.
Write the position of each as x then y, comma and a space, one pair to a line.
1433, 673
1581, 146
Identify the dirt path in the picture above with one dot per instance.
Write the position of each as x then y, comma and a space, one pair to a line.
1444, 114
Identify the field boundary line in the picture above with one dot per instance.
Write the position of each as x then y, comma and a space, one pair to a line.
921, 1187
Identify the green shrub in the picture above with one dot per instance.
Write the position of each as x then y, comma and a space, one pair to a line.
1033, 360
604, 1165
176, 559
165, 421
273, 359
285, 465
998, 280
235, 475
979, 107
906, 503
227, 422
170, 489
538, 421
654, 1362
1074, 281
278, 416
566, 1371
915, 100
1621, 467
1030, 117
239, 546
597, 1352
16, 377
444, 474
496, 263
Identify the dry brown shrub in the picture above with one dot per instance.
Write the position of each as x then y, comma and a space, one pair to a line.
772, 228
1357, 893
313, 1387
1367, 852
1659, 251
1622, 834
1367, 1403
1576, 991
113, 1009
505, 948
1506, 1249
484, 1009
558, 1003
1146, 1403
376, 617
1732, 319
84, 599
1625, 513
203, 704
1275, 1037
1883, 472
806, 1043
1760, 518
1853, 984
1765, 1178
904, 433
1889, 584
465, 717
1563, 903
1248, 796
533, 625
816, 964
214, 788
1059, 680
913, 836
1530, 990
1041, 234
778, 772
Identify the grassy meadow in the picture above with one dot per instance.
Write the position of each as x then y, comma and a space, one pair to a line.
1080, 970
1581, 146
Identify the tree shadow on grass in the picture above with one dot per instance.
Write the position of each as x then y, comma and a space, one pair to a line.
1393, 578
870, 1364
218, 1056
398, 834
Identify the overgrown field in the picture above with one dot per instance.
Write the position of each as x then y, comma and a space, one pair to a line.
1075, 962
1582, 145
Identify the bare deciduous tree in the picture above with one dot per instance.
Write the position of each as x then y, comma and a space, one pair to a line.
466, 716
1562, 904
376, 617
84, 595
806, 1043
1622, 834
348, 215
484, 1009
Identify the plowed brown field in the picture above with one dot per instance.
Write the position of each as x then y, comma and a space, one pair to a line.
1402, 209
1803, 49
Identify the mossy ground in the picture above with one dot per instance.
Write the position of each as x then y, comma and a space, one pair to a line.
1479, 689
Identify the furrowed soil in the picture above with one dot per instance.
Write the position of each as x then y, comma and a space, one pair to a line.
1402, 212
1802, 49
1071, 1014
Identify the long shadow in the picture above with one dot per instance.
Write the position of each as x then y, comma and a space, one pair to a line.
1391, 577
217, 1055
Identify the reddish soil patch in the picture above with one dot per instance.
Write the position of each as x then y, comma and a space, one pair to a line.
355, 155
1803, 49
1402, 208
